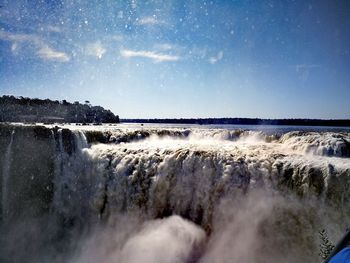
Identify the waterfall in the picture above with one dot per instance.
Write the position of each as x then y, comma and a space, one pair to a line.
134, 189
80, 140
68, 169
6, 174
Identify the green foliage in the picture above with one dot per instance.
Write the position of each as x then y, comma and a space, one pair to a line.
326, 246
21, 109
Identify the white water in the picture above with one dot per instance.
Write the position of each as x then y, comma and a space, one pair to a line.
187, 173
258, 197
81, 141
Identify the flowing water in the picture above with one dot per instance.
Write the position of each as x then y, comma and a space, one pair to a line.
131, 193
5, 173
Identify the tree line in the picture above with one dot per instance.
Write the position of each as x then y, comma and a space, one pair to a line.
23, 109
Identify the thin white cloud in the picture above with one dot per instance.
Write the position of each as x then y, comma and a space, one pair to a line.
149, 21
95, 49
44, 51
48, 53
156, 57
217, 58
8, 36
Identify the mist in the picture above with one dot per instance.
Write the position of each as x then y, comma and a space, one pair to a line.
169, 195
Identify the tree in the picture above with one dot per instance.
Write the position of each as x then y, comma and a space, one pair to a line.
20, 109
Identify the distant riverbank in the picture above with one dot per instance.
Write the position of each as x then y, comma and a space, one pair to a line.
247, 121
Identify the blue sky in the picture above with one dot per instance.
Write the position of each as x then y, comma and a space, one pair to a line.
156, 59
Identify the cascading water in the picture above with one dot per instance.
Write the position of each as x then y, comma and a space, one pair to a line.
5, 175
122, 195
81, 141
